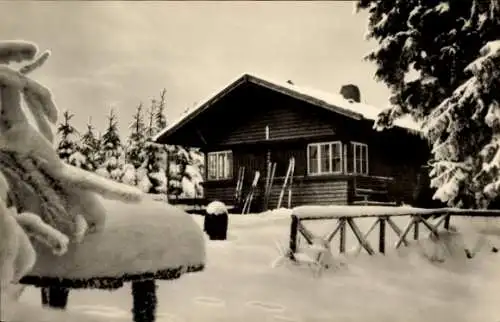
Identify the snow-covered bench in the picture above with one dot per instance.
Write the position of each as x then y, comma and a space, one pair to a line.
140, 243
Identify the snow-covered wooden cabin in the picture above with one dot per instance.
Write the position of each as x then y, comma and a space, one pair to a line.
339, 157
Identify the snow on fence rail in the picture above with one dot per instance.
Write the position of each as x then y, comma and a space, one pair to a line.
345, 217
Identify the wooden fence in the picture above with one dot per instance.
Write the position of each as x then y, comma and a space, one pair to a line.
346, 217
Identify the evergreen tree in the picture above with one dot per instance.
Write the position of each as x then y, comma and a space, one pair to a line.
89, 148
68, 144
154, 155
99, 158
151, 128
159, 115
111, 149
110, 141
136, 139
440, 60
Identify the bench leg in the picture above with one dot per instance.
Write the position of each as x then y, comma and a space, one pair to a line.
55, 297
144, 295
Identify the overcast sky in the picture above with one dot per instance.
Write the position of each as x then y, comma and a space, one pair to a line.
116, 54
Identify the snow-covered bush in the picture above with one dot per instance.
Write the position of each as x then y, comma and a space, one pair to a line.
77, 159
129, 174
186, 173
143, 182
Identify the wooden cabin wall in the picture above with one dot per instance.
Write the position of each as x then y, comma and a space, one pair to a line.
285, 117
311, 191
304, 192
238, 122
281, 156
220, 190
253, 158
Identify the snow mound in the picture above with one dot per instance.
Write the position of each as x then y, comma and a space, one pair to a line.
144, 237
216, 208
281, 212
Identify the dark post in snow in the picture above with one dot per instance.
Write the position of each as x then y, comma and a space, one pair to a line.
381, 243
145, 300
293, 235
216, 219
55, 297
342, 236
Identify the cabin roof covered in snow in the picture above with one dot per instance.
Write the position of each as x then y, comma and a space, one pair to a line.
330, 101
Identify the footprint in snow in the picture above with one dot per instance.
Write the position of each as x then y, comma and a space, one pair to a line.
104, 311
209, 301
282, 318
270, 307
168, 317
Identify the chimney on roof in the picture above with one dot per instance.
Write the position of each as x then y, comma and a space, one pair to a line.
351, 93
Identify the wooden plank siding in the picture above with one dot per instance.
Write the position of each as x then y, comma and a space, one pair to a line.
242, 116
285, 121
318, 191
221, 191
238, 121
324, 189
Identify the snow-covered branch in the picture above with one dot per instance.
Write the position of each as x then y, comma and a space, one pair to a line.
17, 51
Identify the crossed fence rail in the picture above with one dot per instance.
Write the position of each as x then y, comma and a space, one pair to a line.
345, 217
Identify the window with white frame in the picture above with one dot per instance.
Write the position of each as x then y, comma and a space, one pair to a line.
324, 158
220, 165
359, 158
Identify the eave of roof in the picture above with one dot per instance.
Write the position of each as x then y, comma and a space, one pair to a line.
332, 102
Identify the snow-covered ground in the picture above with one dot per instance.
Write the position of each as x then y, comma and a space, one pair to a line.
239, 284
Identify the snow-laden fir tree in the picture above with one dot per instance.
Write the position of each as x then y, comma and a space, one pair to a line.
440, 60
67, 147
89, 148
111, 150
159, 116
99, 158
151, 175
134, 156
185, 174
192, 179
136, 138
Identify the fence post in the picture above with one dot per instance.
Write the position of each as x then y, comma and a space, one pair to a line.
342, 235
416, 226
447, 221
381, 241
293, 235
